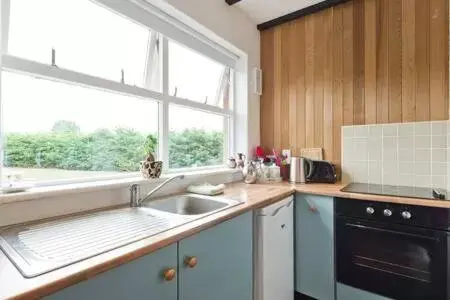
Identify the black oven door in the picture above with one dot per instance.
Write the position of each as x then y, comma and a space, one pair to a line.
395, 261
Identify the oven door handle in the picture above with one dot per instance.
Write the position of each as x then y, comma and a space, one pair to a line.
357, 226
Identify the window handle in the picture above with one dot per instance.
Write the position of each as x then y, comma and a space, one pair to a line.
122, 76
54, 58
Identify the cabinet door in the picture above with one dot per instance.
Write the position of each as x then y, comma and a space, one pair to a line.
139, 279
314, 240
224, 262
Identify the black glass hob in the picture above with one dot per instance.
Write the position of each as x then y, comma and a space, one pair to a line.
397, 191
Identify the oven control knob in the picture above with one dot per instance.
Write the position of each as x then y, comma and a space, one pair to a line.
387, 212
370, 210
406, 215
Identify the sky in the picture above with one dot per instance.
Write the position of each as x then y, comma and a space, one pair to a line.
101, 44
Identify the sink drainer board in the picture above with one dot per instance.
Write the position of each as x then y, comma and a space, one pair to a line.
40, 248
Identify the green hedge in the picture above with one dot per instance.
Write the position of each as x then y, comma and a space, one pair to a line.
105, 150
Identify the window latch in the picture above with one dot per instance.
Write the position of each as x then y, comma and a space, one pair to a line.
54, 58
122, 76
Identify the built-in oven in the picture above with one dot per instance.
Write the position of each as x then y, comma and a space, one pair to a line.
393, 250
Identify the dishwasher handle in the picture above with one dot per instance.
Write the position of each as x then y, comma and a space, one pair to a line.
277, 210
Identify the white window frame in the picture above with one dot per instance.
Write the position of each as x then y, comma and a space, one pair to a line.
136, 13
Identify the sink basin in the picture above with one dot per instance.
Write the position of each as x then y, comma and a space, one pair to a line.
191, 204
43, 246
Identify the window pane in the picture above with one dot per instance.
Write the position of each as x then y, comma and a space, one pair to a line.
197, 78
196, 139
58, 131
87, 37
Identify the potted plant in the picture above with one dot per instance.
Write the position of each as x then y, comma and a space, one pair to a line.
149, 167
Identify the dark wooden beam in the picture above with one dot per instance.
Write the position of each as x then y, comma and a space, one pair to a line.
231, 2
299, 13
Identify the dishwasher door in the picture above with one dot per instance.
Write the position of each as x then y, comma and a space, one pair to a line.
274, 251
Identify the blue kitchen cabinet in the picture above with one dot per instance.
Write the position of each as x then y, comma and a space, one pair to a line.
217, 263
142, 278
345, 292
314, 240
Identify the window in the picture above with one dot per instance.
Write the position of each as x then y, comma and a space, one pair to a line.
198, 78
101, 44
196, 141
88, 100
73, 132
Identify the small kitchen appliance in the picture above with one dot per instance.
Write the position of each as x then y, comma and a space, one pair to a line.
305, 170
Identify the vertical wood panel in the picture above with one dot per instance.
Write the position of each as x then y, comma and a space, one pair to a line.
319, 58
309, 81
358, 62
293, 73
370, 61
337, 89
348, 63
382, 61
300, 68
395, 61
439, 59
266, 108
277, 88
422, 44
361, 62
408, 60
328, 47
286, 45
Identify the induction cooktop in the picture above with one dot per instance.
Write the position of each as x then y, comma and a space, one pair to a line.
397, 191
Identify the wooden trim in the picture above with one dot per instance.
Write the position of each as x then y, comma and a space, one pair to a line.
231, 2
297, 14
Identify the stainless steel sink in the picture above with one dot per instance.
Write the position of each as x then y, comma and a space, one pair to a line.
42, 246
191, 204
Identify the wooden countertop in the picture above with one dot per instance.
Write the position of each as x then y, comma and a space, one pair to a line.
14, 286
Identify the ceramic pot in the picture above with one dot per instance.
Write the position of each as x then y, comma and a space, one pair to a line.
151, 169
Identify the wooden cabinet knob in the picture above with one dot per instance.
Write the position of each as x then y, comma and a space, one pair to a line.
190, 261
169, 274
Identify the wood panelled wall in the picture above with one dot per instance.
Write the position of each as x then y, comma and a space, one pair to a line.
361, 62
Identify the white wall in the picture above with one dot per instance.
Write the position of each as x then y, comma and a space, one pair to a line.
231, 25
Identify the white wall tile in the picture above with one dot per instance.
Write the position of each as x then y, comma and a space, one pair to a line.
375, 149
406, 167
422, 181
360, 149
422, 168
439, 169
406, 155
405, 142
439, 182
422, 155
422, 141
439, 128
422, 128
439, 155
406, 129
438, 141
361, 131
375, 131
410, 154
375, 172
390, 129
406, 179
347, 131
360, 172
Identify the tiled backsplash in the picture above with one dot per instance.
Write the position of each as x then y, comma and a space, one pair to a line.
411, 154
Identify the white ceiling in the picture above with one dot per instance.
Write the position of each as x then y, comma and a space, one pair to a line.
261, 11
